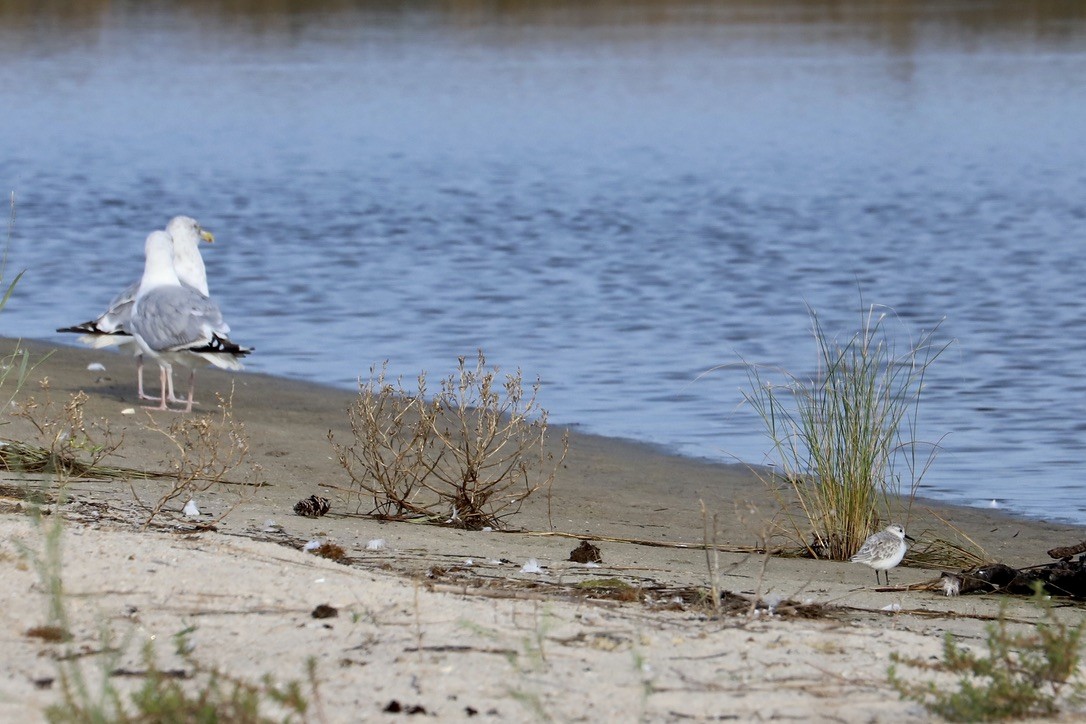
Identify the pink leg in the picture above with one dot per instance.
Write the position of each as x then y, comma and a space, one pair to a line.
162, 386
139, 379
192, 388
173, 397
169, 385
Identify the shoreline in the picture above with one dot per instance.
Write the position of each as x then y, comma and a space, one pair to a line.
431, 603
641, 448
279, 410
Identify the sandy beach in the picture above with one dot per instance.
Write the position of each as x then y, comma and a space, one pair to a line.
449, 620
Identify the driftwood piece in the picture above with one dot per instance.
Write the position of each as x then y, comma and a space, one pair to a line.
1062, 578
987, 579
1068, 551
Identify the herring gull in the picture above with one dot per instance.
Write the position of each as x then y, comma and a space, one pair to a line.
176, 324
109, 329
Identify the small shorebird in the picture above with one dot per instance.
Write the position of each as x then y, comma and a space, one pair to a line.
883, 550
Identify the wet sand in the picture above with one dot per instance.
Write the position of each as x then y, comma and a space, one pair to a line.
446, 619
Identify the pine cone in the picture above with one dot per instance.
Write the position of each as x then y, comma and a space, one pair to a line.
312, 507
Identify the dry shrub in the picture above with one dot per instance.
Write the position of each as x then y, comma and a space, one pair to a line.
205, 453
66, 444
492, 434
469, 457
393, 439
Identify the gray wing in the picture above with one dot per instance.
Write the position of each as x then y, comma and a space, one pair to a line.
867, 550
119, 311
111, 323
169, 319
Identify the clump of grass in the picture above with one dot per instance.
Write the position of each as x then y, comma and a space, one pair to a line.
841, 439
945, 554
469, 457
15, 365
194, 693
614, 589
1025, 672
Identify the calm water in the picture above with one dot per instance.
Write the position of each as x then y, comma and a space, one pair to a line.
613, 199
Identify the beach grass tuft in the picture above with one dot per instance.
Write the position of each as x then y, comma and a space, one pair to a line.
844, 441
15, 366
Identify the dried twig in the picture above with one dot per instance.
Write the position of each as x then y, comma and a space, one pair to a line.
205, 450
469, 457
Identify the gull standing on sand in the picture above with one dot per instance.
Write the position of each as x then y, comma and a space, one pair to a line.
110, 329
883, 550
176, 324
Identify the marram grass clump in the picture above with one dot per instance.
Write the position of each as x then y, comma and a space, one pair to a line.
843, 439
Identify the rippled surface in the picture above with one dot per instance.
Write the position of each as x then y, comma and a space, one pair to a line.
615, 199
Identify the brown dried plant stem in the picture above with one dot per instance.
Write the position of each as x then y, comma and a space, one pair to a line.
391, 429
493, 435
204, 452
69, 445
469, 457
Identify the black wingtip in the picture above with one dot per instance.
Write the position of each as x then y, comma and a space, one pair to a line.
92, 328
85, 328
222, 345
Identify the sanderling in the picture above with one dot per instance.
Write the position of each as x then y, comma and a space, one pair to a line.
883, 550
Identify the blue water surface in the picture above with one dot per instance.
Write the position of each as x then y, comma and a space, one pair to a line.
615, 198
